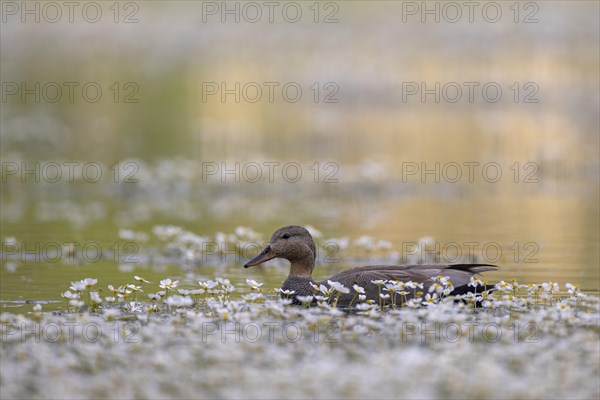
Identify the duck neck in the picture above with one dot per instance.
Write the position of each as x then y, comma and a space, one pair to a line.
301, 285
300, 278
302, 269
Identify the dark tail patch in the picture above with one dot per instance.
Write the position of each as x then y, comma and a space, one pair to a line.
464, 289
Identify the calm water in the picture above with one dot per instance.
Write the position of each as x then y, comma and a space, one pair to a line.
156, 157
532, 239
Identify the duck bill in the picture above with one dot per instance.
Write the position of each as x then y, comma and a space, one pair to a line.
266, 255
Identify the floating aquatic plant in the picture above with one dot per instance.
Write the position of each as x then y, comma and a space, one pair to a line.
212, 329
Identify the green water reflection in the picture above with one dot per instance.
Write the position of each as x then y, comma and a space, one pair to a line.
357, 156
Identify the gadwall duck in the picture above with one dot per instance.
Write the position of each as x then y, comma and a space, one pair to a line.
295, 244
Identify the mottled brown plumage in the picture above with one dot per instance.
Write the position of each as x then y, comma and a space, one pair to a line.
295, 244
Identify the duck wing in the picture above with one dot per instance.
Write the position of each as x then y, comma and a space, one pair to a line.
459, 274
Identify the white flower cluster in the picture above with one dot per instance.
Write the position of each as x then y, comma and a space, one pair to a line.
191, 249
205, 331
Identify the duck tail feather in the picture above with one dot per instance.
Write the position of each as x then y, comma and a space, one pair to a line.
474, 268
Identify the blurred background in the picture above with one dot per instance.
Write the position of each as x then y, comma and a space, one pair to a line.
361, 98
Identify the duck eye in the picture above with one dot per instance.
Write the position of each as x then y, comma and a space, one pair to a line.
286, 236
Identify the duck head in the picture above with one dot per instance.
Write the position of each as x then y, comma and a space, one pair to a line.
293, 243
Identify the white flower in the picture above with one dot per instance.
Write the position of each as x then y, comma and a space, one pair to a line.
572, 289
359, 289
414, 303
532, 289
390, 287
474, 282
154, 296
429, 299
76, 303
362, 297
286, 292
135, 307
253, 284
441, 279
37, 308
338, 287
111, 314
384, 244
140, 279
551, 287
469, 297
364, 306
167, 284
95, 298
384, 296
78, 286
126, 268
365, 241
166, 232
437, 287
222, 281
395, 286
126, 234
448, 287
563, 308
414, 285
504, 287
10, 240
323, 289
179, 301
252, 296
426, 241
342, 242
123, 290
70, 296
229, 288
208, 284
378, 282
313, 231
89, 282
133, 288
305, 299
